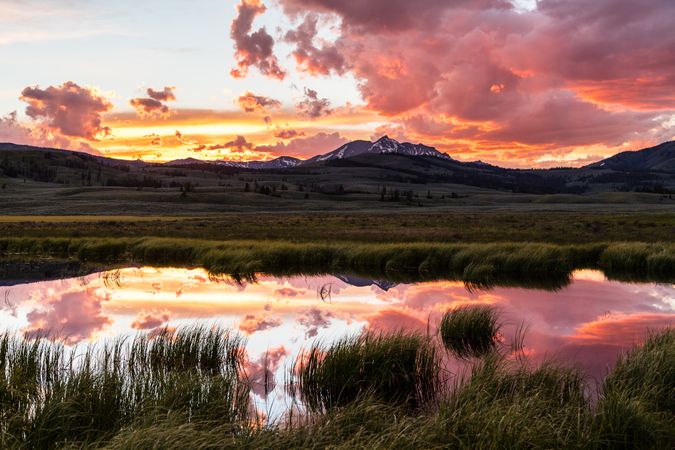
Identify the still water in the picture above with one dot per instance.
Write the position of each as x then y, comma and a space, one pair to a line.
587, 323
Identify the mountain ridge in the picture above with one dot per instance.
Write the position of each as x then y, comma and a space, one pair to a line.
660, 157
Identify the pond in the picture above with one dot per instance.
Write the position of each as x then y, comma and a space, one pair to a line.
587, 323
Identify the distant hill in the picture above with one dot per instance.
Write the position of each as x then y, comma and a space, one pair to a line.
377, 170
281, 162
660, 158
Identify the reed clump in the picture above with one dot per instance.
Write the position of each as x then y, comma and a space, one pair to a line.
394, 368
470, 330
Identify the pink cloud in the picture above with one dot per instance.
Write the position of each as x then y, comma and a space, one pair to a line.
395, 320
288, 292
313, 319
153, 104
288, 134
11, 130
315, 60
72, 316
253, 48
482, 76
164, 95
305, 147
313, 107
260, 373
68, 110
386, 15
149, 107
596, 345
237, 145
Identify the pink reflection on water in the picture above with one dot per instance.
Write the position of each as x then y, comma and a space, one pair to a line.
71, 316
587, 323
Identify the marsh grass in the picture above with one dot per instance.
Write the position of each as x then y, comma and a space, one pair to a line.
525, 264
470, 330
52, 396
184, 389
501, 404
636, 408
393, 368
506, 404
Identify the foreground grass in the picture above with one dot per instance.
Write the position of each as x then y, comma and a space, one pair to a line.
532, 264
186, 391
502, 404
637, 406
51, 397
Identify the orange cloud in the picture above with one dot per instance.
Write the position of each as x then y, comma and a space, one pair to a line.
250, 102
252, 323
153, 104
622, 330
147, 321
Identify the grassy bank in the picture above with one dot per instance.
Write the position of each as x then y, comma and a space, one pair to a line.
544, 265
188, 391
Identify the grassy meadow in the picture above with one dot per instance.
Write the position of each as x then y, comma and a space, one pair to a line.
461, 226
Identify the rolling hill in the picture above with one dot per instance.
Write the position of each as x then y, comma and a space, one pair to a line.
659, 158
358, 175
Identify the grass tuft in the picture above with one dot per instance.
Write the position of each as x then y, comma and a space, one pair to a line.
393, 368
470, 331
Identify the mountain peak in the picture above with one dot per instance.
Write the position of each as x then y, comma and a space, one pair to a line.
384, 145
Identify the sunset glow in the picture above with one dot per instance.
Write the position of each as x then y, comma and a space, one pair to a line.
514, 83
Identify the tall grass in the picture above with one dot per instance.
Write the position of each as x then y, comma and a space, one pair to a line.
51, 396
636, 408
502, 404
512, 405
470, 330
540, 265
393, 368
183, 390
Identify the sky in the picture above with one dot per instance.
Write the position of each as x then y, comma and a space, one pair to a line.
519, 83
